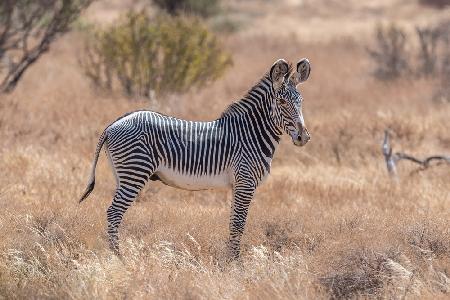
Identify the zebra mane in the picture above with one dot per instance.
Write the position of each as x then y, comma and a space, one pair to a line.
290, 71
235, 105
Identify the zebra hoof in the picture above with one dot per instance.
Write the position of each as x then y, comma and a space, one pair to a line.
233, 255
114, 249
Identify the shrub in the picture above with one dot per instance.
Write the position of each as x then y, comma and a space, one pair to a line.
443, 91
427, 57
366, 274
204, 8
435, 3
389, 54
395, 54
161, 56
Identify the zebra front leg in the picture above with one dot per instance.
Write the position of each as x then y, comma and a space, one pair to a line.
242, 197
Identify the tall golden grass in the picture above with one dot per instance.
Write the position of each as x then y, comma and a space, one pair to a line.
327, 223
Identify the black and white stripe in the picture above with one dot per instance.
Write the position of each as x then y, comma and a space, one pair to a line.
233, 151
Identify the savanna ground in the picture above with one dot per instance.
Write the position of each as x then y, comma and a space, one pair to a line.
327, 223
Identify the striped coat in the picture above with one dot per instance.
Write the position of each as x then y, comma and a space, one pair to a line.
235, 151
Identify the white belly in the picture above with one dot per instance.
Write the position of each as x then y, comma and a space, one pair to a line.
194, 183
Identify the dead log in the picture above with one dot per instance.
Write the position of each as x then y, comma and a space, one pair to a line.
392, 159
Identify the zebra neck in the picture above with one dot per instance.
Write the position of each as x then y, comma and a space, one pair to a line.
254, 114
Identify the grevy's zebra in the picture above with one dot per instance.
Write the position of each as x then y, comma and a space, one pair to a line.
234, 151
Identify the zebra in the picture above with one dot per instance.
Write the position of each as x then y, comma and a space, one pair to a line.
234, 151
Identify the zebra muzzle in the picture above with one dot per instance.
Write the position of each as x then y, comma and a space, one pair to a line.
302, 138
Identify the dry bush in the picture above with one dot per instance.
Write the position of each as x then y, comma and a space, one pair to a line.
443, 91
362, 273
428, 239
396, 54
433, 53
435, 3
428, 57
204, 8
153, 57
390, 53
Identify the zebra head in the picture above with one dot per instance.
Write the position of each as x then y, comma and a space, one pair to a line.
288, 101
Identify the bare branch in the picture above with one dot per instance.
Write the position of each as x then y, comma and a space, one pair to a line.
425, 163
392, 159
27, 28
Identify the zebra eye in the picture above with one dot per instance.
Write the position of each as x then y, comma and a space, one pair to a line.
282, 101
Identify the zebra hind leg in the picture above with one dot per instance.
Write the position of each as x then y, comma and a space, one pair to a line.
123, 198
130, 181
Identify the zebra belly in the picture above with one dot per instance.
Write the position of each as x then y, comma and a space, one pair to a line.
193, 182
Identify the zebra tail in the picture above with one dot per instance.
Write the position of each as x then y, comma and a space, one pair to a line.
91, 182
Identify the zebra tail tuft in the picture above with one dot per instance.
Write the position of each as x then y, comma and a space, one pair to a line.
91, 182
88, 190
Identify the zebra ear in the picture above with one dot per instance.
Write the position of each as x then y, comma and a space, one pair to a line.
278, 72
303, 71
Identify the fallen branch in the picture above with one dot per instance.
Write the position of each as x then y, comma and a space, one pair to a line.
392, 158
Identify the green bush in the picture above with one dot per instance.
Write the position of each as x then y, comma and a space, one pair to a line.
204, 8
161, 56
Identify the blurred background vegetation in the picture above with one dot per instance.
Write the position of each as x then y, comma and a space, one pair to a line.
153, 56
327, 223
204, 8
424, 52
27, 28
142, 55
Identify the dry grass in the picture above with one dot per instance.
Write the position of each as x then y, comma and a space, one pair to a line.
327, 223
